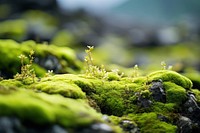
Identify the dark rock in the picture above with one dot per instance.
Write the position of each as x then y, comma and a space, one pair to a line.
191, 110
49, 63
96, 128
14, 125
129, 127
184, 125
143, 102
158, 92
162, 118
10, 125
191, 105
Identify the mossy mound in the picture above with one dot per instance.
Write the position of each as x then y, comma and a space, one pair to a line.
175, 93
44, 109
47, 57
171, 76
60, 87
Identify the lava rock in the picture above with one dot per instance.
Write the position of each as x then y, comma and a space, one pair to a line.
158, 91
129, 127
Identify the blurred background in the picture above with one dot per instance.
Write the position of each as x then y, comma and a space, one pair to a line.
124, 32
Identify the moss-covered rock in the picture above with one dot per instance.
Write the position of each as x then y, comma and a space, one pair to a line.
171, 76
125, 98
59, 59
150, 123
175, 93
60, 87
41, 108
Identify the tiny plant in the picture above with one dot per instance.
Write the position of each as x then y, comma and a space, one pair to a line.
93, 70
26, 69
49, 73
89, 59
163, 65
135, 71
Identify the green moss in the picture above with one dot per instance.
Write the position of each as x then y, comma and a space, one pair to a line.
171, 76
13, 29
164, 108
11, 83
174, 93
195, 78
59, 87
112, 76
63, 38
149, 123
40, 108
66, 56
10, 63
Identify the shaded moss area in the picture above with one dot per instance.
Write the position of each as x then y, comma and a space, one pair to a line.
58, 59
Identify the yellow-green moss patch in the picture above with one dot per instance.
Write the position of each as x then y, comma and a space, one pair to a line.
171, 76
149, 123
41, 108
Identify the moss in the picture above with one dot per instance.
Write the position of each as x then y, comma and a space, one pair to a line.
195, 78
174, 93
172, 76
66, 56
13, 29
149, 123
11, 83
40, 108
63, 38
10, 63
163, 108
112, 76
118, 120
59, 87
